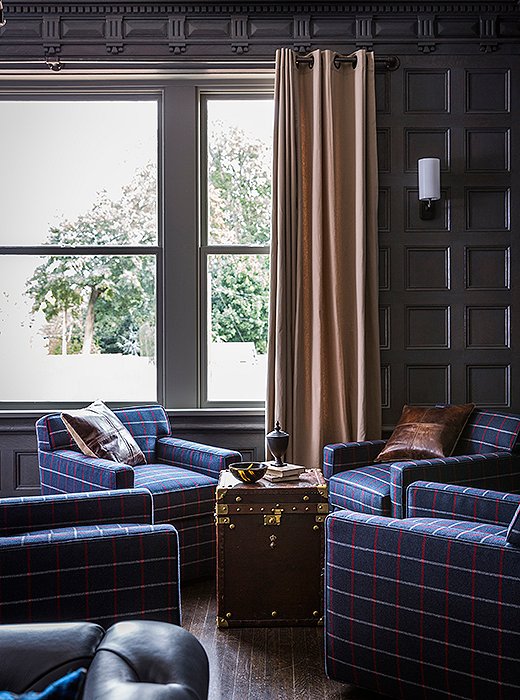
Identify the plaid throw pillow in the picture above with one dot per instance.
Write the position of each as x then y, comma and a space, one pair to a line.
98, 432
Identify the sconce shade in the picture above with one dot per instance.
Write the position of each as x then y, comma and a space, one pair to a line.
429, 178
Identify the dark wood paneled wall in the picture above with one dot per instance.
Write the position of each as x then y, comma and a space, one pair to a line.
449, 286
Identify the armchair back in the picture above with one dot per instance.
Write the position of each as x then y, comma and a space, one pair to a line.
145, 423
489, 431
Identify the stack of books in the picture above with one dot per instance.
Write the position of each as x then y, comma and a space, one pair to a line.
289, 472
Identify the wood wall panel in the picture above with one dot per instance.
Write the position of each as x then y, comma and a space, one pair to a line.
451, 290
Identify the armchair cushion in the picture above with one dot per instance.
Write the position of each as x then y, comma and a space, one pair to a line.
98, 432
426, 432
176, 492
364, 490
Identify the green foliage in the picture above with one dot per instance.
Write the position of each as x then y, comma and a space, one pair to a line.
123, 285
239, 190
120, 289
239, 299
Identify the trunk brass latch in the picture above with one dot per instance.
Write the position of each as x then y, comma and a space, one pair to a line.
275, 518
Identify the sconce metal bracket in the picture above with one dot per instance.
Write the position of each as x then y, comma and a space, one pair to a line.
426, 209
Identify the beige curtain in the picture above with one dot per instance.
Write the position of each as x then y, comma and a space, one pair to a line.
323, 357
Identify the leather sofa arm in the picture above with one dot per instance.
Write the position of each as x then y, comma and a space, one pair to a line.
148, 660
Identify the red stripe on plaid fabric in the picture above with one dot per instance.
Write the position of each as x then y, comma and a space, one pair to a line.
114, 578
374, 608
330, 619
447, 618
146, 436
397, 581
352, 580
498, 434
473, 578
141, 563
499, 623
58, 585
421, 613
29, 585
87, 583
491, 417
170, 579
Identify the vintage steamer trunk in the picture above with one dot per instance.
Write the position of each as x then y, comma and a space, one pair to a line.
270, 548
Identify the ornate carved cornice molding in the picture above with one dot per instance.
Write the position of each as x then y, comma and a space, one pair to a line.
135, 30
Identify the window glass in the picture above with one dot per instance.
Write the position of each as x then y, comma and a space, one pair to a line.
240, 135
237, 318
78, 172
77, 328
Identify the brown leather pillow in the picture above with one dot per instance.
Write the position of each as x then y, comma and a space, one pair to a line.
98, 432
426, 432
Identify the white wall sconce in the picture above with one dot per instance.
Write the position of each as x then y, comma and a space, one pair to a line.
429, 170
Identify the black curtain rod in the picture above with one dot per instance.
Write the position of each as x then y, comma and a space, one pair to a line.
389, 62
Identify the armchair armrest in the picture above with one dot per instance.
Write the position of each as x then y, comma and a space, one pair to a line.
203, 459
68, 471
434, 500
23, 515
341, 456
493, 470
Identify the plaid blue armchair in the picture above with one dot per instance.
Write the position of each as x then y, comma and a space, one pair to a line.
87, 556
180, 475
486, 456
427, 606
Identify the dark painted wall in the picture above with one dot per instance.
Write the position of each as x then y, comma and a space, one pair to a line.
449, 287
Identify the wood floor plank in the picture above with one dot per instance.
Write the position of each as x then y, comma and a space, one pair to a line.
261, 663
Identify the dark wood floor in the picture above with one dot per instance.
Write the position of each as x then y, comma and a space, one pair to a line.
261, 664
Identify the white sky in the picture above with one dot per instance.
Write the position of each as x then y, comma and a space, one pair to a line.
56, 156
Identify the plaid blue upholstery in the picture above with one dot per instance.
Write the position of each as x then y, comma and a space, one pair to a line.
422, 607
197, 538
97, 571
433, 500
26, 514
489, 431
349, 455
364, 490
180, 475
195, 457
499, 471
176, 492
68, 471
487, 456
513, 531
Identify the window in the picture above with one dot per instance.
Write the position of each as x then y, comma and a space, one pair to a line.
78, 224
235, 245
134, 242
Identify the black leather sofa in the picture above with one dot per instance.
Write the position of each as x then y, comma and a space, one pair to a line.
133, 660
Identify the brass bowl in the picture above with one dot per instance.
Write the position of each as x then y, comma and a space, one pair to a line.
248, 472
